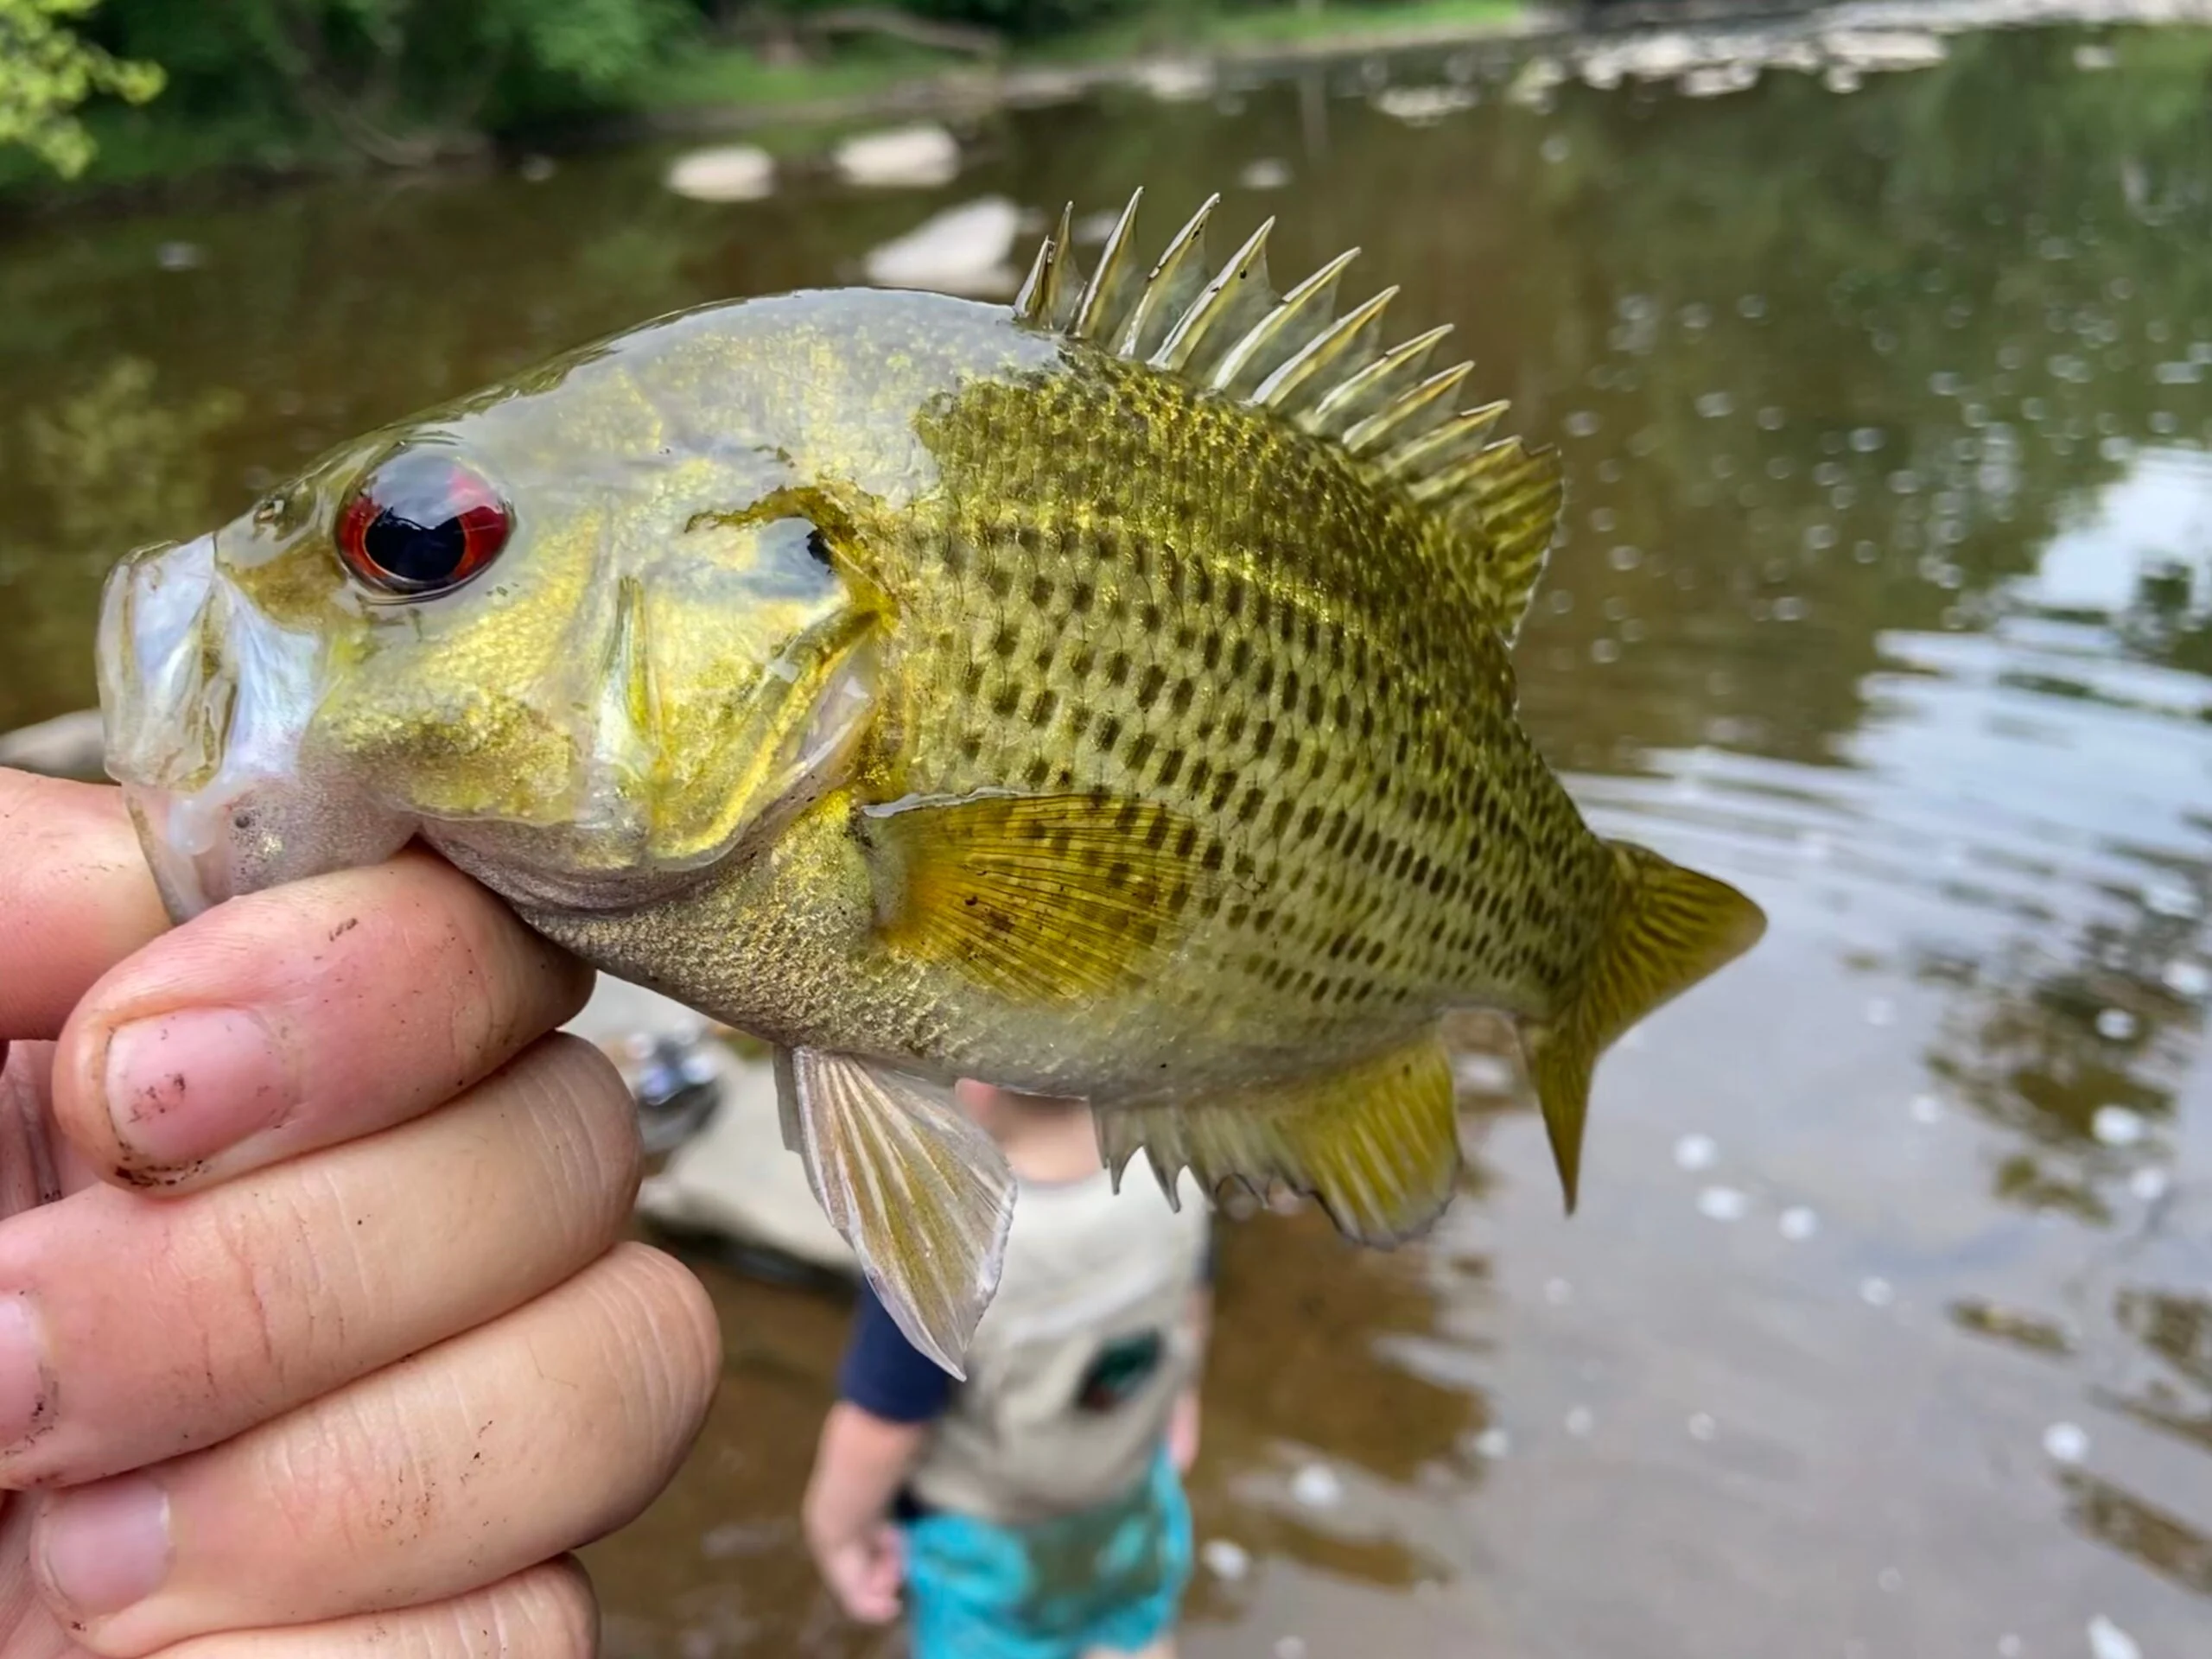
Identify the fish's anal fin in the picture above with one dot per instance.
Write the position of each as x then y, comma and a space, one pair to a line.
1049, 897
1671, 928
1376, 1142
1227, 330
921, 1194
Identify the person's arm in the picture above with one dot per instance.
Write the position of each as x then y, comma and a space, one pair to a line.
888, 1396
861, 1463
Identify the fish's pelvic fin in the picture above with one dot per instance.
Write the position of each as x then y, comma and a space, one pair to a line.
1229, 332
922, 1196
1376, 1143
1040, 896
1671, 928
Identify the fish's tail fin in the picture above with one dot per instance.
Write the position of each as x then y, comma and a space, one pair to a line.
1671, 927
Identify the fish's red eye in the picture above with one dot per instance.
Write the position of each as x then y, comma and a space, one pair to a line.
421, 524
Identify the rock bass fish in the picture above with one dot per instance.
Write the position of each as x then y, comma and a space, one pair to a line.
1107, 696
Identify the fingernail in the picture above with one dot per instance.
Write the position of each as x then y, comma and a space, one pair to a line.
23, 1373
107, 1546
186, 1085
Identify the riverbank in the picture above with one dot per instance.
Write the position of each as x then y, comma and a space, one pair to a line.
156, 152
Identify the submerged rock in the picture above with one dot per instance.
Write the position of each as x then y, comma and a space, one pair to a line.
725, 173
918, 155
964, 250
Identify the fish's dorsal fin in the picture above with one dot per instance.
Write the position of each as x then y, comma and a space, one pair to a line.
1228, 332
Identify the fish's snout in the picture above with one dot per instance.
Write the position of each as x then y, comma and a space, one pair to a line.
205, 702
160, 672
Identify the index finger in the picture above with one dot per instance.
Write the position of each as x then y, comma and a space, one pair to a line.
75, 898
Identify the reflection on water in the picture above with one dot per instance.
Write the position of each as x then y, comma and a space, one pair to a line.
1885, 1328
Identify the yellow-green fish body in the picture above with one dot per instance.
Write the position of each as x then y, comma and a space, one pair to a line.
1109, 695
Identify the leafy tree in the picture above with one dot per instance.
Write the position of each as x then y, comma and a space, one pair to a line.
47, 70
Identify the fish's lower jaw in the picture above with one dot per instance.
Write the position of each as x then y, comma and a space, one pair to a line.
207, 846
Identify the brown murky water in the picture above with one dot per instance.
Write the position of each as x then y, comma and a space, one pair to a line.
1885, 1331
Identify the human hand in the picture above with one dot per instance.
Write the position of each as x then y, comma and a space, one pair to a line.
865, 1570
314, 1327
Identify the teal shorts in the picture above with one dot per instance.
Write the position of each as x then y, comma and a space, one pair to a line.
1112, 1578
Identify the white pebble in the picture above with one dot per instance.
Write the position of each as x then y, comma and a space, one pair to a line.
1493, 1443
2066, 1443
2115, 1025
1702, 1428
1926, 1109
2108, 1640
1797, 1223
1317, 1487
2148, 1184
1695, 1152
1723, 1203
725, 173
1579, 1423
2117, 1126
1877, 1293
1225, 1559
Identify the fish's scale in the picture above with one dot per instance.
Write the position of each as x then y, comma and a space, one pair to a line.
1126, 585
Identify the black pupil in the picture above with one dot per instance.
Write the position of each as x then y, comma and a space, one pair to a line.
413, 552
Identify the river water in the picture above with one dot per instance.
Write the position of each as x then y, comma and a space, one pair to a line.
1885, 1329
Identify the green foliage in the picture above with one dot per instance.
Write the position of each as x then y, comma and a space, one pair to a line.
47, 70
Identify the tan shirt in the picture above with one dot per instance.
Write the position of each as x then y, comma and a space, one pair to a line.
1077, 1364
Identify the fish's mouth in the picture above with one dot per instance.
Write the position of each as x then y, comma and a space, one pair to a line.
204, 703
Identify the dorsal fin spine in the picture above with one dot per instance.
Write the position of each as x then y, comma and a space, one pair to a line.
1228, 332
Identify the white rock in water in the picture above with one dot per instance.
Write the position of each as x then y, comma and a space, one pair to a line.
964, 250
1265, 174
1225, 1559
2149, 1184
1175, 80
1841, 78
1417, 106
2108, 1640
1880, 49
2115, 1025
2117, 1126
1317, 1487
920, 155
2187, 978
1493, 1443
2094, 57
725, 173
1797, 1223
1719, 79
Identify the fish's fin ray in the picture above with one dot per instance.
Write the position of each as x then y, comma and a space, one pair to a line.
1376, 1142
1342, 349
1112, 291
1358, 395
1409, 415
1230, 303
1510, 506
1296, 322
922, 1195
1449, 461
1049, 295
1416, 460
1671, 928
1051, 897
1175, 282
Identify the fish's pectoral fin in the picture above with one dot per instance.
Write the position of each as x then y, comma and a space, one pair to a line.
1672, 928
1377, 1143
922, 1196
1051, 896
